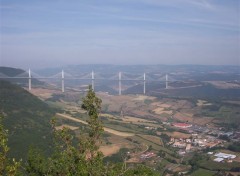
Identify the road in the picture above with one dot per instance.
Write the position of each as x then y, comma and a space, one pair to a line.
109, 130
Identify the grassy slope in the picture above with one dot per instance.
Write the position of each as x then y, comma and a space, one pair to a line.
203, 172
27, 119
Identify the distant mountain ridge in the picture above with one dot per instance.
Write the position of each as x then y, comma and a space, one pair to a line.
13, 72
105, 68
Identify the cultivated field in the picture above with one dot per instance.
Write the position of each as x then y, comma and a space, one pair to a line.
108, 150
203, 103
161, 110
154, 139
177, 134
66, 126
44, 93
143, 97
118, 133
224, 84
184, 117
135, 119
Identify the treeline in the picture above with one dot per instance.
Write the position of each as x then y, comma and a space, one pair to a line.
235, 147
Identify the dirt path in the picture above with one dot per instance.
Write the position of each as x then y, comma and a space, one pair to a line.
109, 130
147, 147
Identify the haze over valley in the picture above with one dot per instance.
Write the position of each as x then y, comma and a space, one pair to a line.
197, 113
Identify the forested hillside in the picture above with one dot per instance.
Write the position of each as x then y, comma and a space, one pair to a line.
27, 119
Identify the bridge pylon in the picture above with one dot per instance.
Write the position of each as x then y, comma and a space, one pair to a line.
63, 81
93, 80
119, 83
144, 83
166, 81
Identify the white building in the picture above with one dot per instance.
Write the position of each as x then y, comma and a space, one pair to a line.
218, 159
188, 147
225, 155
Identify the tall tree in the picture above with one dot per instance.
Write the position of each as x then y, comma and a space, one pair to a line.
92, 104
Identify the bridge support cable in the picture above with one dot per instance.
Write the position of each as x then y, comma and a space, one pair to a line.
119, 83
93, 77
29, 80
63, 81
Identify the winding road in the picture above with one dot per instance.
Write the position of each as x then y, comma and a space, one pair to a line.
109, 130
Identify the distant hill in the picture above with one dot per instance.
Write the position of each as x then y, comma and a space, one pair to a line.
16, 72
205, 91
106, 76
27, 119
196, 70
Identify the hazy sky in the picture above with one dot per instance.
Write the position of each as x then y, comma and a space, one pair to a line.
39, 33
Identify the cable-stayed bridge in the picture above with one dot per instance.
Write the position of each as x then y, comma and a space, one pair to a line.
120, 77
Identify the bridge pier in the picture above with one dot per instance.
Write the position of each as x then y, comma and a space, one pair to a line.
93, 80
119, 84
63, 81
166, 81
144, 83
